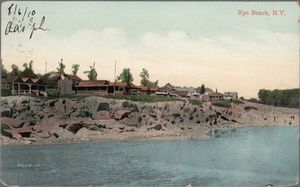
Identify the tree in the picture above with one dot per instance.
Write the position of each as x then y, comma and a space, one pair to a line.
75, 68
145, 79
202, 89
92, 73
61, 67
126, 76
14, 70
3, 70
28, 70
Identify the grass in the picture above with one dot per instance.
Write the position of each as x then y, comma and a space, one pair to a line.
195, 102
236, 101
222, 103
142, 98
139, 98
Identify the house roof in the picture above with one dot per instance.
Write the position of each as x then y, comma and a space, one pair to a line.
181, 93
214, 94
96, 83
10, 79
72, 77
119, 84
148, 88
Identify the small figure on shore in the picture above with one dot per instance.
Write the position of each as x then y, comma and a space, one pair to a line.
274, 118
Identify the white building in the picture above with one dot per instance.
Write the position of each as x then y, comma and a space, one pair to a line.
230, 95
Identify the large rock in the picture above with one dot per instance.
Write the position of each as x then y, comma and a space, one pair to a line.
74, 124
62, 133
25, 131
102, 115
11, 133
156, 127
16, 123
121, 114
103, 106
46, 125
6, 111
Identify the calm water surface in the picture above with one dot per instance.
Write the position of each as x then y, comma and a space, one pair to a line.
238, 157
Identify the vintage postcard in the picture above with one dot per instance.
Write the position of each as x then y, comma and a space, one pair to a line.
149, 93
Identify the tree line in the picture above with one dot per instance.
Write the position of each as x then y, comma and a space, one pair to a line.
124, 76
284, 98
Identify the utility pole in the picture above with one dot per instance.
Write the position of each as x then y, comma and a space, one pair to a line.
115, 77
45, 67
115, 70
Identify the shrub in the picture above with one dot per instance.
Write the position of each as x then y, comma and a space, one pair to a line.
236, 101
142, 98
195, 102
5, 92
222, 103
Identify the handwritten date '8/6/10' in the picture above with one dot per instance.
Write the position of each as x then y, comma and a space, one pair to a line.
23, 19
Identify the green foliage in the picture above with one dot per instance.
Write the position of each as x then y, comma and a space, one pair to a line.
3, 70
28, 70
14, 70
61, 67
284, 98
202, 89
195, 102
236, 101
126, 76
75, 68
222, 103
145, 79
143, 98
5, 92
92, 73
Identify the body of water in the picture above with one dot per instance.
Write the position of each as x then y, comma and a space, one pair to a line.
232, 157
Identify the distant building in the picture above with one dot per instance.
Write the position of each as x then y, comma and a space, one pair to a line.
182, 93
101, 87
167, 89
230, 95
66, 84
23, 85
212, 96
147, 90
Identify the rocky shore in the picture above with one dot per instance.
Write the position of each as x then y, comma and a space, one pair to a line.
33, 120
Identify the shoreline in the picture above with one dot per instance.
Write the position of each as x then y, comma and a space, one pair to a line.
183, 137
30, 120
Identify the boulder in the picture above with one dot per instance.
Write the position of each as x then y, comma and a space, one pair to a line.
6, 111
11, 133
102, 115
74, 127
74, 124
156, 127
103, 106
25, 131
121, 114
125, 104
62, 133
16, 123
46, 125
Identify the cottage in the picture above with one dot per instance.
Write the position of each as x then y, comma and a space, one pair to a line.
167, 89
101, 87
212, 96
23, 85
147, 90
182, 93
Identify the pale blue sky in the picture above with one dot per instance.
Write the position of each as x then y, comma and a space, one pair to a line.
196, 39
